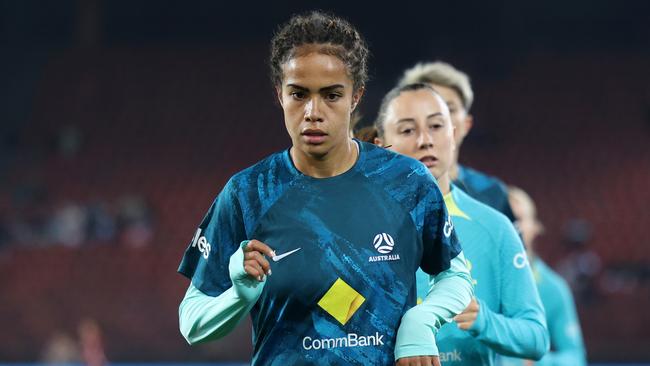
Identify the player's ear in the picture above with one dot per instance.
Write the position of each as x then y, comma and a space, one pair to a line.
539, 228
469, 123
356, 97
378, 141
278, 94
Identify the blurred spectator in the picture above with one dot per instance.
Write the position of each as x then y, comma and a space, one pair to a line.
91, 342
135, 221
100, 224
68, 225
89, 348
73, 224
625, 278
582, 266
61, 348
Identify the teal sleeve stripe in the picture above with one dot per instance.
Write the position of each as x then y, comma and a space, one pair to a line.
449, 294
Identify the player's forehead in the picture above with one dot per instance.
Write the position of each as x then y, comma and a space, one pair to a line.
315, 70
417, 104
449, 94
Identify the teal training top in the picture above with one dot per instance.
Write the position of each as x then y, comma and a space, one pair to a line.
567, 347
511, 319
484, 188
362, 235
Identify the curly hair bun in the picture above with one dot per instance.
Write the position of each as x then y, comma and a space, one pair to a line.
337, 36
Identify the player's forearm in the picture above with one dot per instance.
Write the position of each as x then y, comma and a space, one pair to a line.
449, 294
450, 291
521, 335
203, 317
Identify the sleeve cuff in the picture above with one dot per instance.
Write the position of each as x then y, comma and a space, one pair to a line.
416, 350
246, 288
414, 336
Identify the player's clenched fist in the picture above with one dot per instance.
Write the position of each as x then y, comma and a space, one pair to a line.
255, 264
466, 319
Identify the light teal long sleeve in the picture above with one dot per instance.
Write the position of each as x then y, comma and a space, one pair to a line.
516, 327
449, 294
204, 318
516, 334
511, 317
519, 328
567, 347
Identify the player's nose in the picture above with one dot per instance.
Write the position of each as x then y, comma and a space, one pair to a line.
313, 110
425, 140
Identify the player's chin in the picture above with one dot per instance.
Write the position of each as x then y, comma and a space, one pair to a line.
316, 149
436, 171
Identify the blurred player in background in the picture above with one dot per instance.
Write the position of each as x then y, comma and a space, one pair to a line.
349, 223
567, 347
455, 88
507, 315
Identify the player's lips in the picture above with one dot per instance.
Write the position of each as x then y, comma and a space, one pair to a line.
429, 160
313, 136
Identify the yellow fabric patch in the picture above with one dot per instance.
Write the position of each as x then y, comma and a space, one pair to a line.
341, 301
452, 207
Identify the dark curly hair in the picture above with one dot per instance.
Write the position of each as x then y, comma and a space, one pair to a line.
337, 35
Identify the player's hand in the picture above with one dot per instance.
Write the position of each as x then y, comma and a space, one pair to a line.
418, 361
255, 264
466, 319
247, 267
529, 363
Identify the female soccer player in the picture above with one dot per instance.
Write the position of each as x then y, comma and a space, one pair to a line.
455, 88
567, 347
327, 274
507, 316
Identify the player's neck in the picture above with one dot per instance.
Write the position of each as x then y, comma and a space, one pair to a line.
336, 162
453, 170
444, 183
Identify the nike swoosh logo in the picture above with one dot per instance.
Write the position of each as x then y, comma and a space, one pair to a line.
278, 257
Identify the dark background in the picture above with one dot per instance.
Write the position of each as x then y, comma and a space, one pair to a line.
121, 120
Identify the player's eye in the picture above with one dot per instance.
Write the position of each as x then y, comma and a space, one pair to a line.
436, 126
298, 95
406, 131
332, 97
